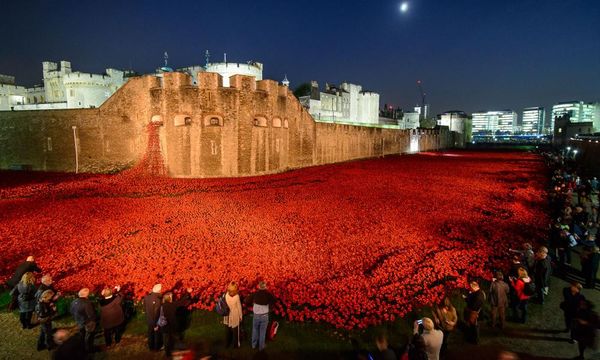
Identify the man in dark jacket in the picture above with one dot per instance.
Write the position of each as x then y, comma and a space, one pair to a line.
47, 284
152, 303
261, 300
169, 308
572, 297
70, 347
474, 300
28, 265
542, 270
111, 315
84, 314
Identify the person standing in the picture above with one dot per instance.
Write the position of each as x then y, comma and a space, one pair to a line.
47, 285
45, 310
590, 258
28, 265
262, 301
585, 325
69, 346
152, 303
84, 314
520, 285
541, 273
111, 315
383, 351
169, 311
474, 301
25, 294
572, 297
233, 320
499, 292
445, 317
431, 337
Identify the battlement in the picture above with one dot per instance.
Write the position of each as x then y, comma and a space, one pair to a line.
252, 66
86, 78
12, 87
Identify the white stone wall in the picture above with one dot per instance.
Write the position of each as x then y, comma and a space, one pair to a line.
229, 69
410, 120
11, 95
84, 90
455, 122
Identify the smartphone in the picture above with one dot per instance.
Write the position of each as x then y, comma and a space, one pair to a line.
419, 322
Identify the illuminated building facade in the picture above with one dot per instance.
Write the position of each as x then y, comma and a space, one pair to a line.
533, 120
494, 122
578, 111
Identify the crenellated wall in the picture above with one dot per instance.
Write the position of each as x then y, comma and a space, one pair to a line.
251, 127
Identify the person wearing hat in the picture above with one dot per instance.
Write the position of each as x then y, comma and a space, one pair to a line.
84, 314
152, 303
261, 302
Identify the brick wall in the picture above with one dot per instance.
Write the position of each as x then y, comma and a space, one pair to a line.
252, 127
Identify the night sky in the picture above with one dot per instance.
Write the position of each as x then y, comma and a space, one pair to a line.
470, 54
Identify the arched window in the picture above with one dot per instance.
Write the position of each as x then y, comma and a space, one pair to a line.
182, 120
260, 121
276, 122
156, 119
213, 120
286, 123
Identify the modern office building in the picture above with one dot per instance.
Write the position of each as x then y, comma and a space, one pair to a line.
533, 120
494, 122
578, 111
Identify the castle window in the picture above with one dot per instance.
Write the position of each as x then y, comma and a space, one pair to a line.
213, 120
260, 121
182, 120
213, 148
286, 124
49, 144
277, 122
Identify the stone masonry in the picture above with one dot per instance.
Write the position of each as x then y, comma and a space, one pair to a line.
250, 128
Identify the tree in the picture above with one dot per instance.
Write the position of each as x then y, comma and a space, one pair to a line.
302, 90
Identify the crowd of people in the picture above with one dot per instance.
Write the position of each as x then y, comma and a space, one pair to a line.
574, 209
107, 314
573, 201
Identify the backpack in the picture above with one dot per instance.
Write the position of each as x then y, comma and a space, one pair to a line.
529, 288
162, 319
221, 306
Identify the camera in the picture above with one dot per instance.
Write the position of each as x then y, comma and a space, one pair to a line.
420, 321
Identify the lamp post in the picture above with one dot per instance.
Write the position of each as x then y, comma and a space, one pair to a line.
76, 150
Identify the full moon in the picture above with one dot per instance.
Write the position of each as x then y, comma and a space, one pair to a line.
404, 7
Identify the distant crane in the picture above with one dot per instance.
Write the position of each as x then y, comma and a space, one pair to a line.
422, 114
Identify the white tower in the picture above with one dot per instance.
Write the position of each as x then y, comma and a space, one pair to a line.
285, 81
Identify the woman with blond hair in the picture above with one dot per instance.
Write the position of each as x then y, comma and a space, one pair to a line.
45, 310
234, 319
25, 292
521, 286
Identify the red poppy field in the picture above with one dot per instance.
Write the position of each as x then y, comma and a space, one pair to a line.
351, 244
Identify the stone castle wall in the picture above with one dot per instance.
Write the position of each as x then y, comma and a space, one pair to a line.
252, 127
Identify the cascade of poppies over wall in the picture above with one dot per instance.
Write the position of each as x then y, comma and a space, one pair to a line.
352, 244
